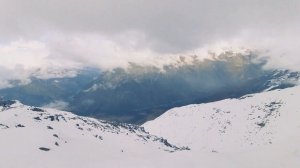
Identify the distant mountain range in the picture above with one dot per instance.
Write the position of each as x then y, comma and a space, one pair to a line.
141, 93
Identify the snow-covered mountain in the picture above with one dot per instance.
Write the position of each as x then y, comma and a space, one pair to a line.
255, 131
258, 130
35, 137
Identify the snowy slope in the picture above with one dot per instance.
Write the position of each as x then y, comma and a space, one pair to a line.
255, 131
34, 137
259, 130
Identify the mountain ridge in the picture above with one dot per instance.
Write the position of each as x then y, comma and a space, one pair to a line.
232, 125
253, 131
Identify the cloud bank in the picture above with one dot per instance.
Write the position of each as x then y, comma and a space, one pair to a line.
57, 34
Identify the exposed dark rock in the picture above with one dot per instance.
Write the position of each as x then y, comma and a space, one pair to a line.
2, 126
44, 149
49, 127
37, 109
98, 136
20, 126
37, 118
261, 124
56, 117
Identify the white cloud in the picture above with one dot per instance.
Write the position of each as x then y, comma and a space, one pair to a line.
22, 59
60, 105
109, 33
28, 54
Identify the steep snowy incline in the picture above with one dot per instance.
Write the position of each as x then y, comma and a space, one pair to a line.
253, 122
33, 137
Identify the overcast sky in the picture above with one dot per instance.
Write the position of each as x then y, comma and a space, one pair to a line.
108, 33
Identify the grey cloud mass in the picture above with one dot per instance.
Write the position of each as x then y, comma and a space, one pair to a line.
169, 25
107, 33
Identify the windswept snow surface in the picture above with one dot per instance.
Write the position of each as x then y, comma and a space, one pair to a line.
259, 130
256, 131
32, 137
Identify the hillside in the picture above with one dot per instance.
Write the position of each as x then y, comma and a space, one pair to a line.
34, 137
258, 130
254, 131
